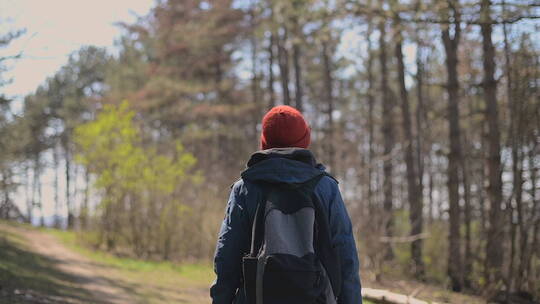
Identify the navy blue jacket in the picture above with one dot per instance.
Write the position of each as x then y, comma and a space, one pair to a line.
287, 166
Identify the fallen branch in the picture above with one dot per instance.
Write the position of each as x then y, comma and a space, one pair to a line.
403, 239
387, 297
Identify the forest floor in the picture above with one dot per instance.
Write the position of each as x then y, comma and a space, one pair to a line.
45, 266
50, 266
415, 289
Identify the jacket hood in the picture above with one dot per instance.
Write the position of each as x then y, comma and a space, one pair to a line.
282, 165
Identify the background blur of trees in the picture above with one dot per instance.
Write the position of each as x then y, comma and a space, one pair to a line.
431, 123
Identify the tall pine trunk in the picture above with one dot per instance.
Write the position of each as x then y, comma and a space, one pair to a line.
535, 246
85, 208
283, 58
297, 55
257, 102
36, 191
388, 138
515, 142
413, 188
371, 108
28, 196
467, 212
328, 86
56, 162
67, 155
494, 253
271, 42
455, 269
297, 77
421, 117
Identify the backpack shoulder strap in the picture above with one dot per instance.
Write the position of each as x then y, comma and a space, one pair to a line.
257, 228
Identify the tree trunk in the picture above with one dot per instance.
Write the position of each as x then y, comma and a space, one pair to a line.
56, 161
67, 155
516, 141
535, 246
298, 77
431, 188
454, 253
388, 135
413, 191
516, 176
5, 208
421, 116
255, 79
85, 210
28, 196
328, 86
36, 191
297, 55
468, 258
371, 123
271, 92
480, 185
467, 212
423, 135
283, 58
494, 254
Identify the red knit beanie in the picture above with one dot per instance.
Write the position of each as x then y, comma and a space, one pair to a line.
283, 127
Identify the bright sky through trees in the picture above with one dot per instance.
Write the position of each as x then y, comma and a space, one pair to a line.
54, 29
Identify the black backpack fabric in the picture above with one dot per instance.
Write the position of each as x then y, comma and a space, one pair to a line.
291, 260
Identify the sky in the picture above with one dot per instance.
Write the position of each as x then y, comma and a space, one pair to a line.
56, 28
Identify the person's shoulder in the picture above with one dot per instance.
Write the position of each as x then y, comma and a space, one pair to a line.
327, 187
329, 179
241, 187
237, 184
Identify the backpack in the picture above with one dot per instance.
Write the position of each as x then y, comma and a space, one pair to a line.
291, 260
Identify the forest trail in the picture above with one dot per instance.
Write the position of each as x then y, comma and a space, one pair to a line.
42, 267
90, 276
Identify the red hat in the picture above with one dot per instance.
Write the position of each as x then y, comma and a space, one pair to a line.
284, 126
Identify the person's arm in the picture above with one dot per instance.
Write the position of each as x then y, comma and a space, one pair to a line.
343, 239
232, 241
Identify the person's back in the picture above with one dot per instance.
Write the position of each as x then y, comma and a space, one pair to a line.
285, 161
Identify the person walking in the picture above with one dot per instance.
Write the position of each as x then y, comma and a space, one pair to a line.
286, 237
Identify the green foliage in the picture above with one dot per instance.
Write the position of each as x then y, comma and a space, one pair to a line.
111, 146
142, 186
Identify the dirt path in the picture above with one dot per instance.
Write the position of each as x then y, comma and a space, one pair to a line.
89, 275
